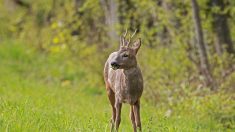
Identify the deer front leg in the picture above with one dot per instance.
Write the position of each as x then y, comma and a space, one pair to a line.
118, 107
136, 109
111, 96
132, 117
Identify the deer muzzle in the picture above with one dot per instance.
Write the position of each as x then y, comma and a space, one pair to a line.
115, 65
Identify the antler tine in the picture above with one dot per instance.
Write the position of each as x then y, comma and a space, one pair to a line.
129, 41
121, 42
134, 33
124, 37
125, 33
130, 37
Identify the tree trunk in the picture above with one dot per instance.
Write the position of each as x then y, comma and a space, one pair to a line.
221, 28
111, 17
204, 63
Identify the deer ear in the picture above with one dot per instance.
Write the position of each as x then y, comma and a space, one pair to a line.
136, 45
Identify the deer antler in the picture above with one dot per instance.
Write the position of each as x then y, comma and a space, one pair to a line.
134, 33
124, 37
130, 37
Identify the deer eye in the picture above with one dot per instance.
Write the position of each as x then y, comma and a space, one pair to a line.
125, 55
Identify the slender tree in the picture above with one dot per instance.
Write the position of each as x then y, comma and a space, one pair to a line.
111, 17
220, 27
204, 63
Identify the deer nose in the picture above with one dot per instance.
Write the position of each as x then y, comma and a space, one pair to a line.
114, 64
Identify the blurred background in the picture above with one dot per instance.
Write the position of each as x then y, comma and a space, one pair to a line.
52, 54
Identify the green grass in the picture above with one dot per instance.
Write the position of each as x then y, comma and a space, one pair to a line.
34, 97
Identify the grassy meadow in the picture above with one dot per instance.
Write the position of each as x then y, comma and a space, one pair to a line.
30, 100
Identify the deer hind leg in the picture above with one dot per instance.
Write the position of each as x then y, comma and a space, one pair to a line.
136, 109
132, 117
111, 97
118, 107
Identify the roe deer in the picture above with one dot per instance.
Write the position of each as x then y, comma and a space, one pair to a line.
124, 81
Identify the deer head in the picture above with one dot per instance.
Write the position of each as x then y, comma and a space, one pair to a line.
125, 57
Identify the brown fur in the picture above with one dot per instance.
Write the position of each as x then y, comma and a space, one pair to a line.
124, 82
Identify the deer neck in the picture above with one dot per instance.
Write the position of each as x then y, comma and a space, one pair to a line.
130, 72
132, 78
